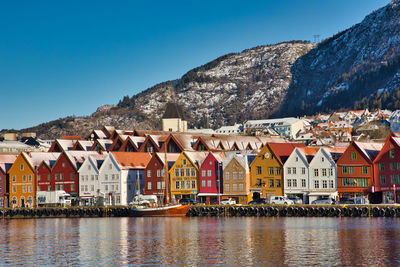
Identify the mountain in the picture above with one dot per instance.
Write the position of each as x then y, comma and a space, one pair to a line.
356, 68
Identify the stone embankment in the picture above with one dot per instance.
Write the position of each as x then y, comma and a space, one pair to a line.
59, 212
296, 211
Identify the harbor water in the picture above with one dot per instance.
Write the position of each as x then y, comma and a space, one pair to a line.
200, 241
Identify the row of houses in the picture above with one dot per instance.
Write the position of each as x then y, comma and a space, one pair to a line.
292, 169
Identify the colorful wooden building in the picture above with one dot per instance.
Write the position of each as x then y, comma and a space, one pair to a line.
236, 178
155, 180
387, 172
210, 179
355, 170
267, 169
22, 177
184, 175
6, 161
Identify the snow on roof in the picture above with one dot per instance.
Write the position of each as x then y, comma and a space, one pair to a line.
6, 160
170, 157
36, 158
370, 150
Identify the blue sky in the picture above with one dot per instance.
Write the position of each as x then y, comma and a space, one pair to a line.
61, 58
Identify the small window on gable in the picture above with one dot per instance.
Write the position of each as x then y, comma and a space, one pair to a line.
110, 166
353, 155
21, 167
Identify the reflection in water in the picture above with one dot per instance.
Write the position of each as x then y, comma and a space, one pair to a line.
201, 241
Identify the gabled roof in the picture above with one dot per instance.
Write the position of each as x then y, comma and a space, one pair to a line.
171, 157
62, 145
36, 158
6, 161
369, 150
308, 152
132, 160
78, 157
103, 143
283, 150
83, 145
196, 157
241, 159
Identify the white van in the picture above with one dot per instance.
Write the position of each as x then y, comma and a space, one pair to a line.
280, 200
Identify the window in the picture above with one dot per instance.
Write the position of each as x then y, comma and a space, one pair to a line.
149, 173
163, 185
324, 184
208, 183
271, 171
258, 169
14, 189
278, 171
316, 184
303, 182
289, 182
381, 167
203, 173
24, 189
82, 188
209, 173
392, 167
382, 179
303, 170
187, 172
330, 172
353, 155
392, 179
158, 173
182, 184
177, 183
110, 166
73, 187
148, 185
234, 187
240, 187
23, 178
289, 170
351, 170
48, 188
177, 172
227, 176
294, 170
38, 177
294, 182
271, 182
183, 161
364, 169
391, 154
234, 175
315, 172
322, 159
363, 182
344, 169
14, 179
193, 172
203, 183
29, 189
71, 176
330, 184
193, 184
92, 177
182, 172
21, 167
61, 187
158, 185
240, 175
323, 172
106, 177
226, 189
63, 164
297, 159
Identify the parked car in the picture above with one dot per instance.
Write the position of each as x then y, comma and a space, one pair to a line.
186, 201
323, 201
258, 201
228, 201
296, 200
281, 200
356, 200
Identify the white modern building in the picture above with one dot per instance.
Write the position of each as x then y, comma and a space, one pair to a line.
285, 127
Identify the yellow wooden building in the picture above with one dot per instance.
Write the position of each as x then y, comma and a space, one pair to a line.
184, 175
266, 170
236, 178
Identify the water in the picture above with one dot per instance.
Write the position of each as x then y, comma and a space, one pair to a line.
201, 241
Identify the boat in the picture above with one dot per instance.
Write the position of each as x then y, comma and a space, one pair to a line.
164, 211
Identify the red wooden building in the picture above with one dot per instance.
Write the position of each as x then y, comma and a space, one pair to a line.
6, 161
210, 179
155, 183
387, 172
355, 171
